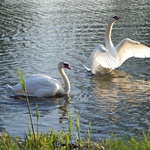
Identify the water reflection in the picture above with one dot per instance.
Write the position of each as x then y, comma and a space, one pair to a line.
50, 110
114, 84
116, 105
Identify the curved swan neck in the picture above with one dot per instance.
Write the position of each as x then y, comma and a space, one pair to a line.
108, 41
65, 80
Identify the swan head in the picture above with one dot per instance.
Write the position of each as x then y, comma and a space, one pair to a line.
114, 18
117, 17
64, 65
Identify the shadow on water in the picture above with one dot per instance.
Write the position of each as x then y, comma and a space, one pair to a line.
45, 104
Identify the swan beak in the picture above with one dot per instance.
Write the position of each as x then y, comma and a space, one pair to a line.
68, 67
118, 18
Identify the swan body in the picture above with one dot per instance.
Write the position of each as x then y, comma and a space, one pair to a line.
41, 85
104, 59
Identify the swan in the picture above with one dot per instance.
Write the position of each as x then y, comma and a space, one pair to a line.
104, 59
40, 85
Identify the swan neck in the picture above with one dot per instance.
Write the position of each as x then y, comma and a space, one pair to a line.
65, 80
108, 41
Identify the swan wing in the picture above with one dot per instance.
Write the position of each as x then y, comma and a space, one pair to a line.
101, 57
128, 48
39, 85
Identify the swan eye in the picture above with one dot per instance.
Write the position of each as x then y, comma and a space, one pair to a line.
66, 65
116, 17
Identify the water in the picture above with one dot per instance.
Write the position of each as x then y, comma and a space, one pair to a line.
36, 35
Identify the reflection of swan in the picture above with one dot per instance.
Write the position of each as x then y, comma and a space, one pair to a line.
118, 86
103, 60
40, 85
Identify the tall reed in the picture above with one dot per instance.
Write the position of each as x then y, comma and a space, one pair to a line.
23, 85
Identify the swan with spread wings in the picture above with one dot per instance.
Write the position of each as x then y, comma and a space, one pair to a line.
104, 59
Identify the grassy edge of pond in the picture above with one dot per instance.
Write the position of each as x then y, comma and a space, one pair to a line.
66, 140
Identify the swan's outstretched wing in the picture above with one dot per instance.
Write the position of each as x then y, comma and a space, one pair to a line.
101, 57
128, 48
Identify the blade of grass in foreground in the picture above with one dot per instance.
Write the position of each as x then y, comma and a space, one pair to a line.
22, 82
23, 85
70, 126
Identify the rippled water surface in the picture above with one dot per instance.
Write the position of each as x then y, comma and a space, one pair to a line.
35, 35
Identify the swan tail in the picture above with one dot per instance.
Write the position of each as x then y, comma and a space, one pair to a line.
9, 86
88, 69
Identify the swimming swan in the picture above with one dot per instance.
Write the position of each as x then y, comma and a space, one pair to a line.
104, 59
41, 85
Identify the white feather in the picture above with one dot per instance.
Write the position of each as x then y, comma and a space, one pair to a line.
128, 48
100, 57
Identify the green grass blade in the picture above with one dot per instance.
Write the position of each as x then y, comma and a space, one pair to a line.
22, 82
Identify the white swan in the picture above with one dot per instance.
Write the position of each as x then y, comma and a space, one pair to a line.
40, 85
104, 59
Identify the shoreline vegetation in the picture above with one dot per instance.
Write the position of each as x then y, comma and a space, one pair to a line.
66, 140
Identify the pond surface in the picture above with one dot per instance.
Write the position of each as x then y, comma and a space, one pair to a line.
36, 35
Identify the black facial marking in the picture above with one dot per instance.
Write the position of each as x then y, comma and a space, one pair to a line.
116, 17
66, 65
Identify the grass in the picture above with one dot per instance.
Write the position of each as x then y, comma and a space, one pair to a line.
62, 141
66, 140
